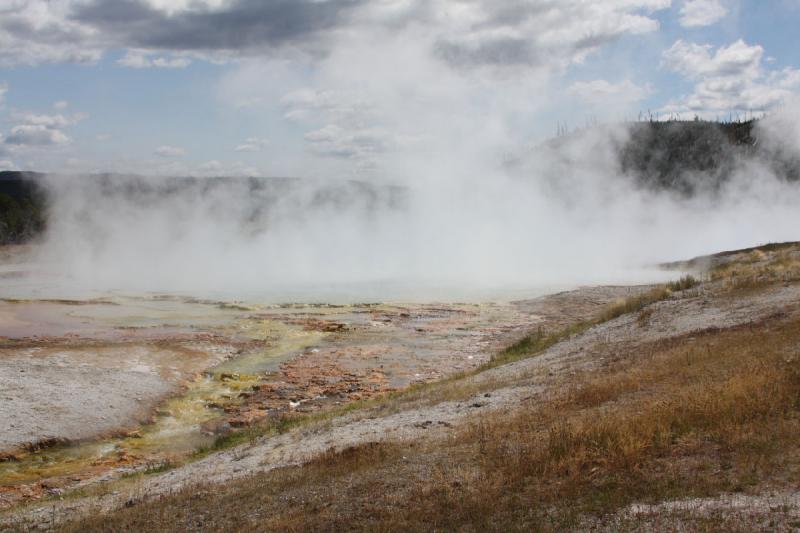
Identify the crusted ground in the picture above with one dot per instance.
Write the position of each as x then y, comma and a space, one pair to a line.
675, 408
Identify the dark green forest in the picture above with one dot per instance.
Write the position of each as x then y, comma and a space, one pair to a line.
22, 207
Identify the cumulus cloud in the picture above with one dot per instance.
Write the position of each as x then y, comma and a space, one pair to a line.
465, 34
218, 168
695, 13
212, 166
173, 7
345, 125
35, 135
252, 144
729, 79
143, 59
79, 31
60, 105
395, 74
239, 26
536, 34
3, 91
340, 106
335, 141
49, 121
35, 32
694, 60
41, 129
169, 151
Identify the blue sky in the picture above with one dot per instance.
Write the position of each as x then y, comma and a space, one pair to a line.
353, 88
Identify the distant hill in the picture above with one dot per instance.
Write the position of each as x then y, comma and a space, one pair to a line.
22, 206
250, 201
687, 157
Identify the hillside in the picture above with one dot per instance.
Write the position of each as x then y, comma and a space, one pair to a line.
685, 156
22, 207
681, 158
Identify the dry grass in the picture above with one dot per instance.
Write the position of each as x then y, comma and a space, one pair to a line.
759, 268
693, 416
540, 340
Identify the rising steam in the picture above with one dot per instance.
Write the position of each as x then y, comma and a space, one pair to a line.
562, 215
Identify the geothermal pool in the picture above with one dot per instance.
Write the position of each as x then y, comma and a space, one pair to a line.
113, 384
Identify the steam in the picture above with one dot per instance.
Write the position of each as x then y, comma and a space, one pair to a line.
450, 223
448, 204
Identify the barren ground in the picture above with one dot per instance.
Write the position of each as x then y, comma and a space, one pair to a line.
411, 436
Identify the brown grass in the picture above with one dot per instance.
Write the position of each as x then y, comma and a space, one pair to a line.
694, 416
541, 339
759, 268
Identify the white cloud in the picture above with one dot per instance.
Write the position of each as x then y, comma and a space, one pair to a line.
143, 59
34, 32
696, 13
471, 33
335, 141
7, 164
169, 151
60, 105
787, 78
173, 7
3, 91
218, 168
50, 121
448, 59
446, 56
307, 103
694, 60
346, 125
41, 129
252, 144
728, 79
605, 92
503, 34
212, 166
35, 135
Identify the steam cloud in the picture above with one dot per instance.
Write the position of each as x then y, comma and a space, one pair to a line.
462, 224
